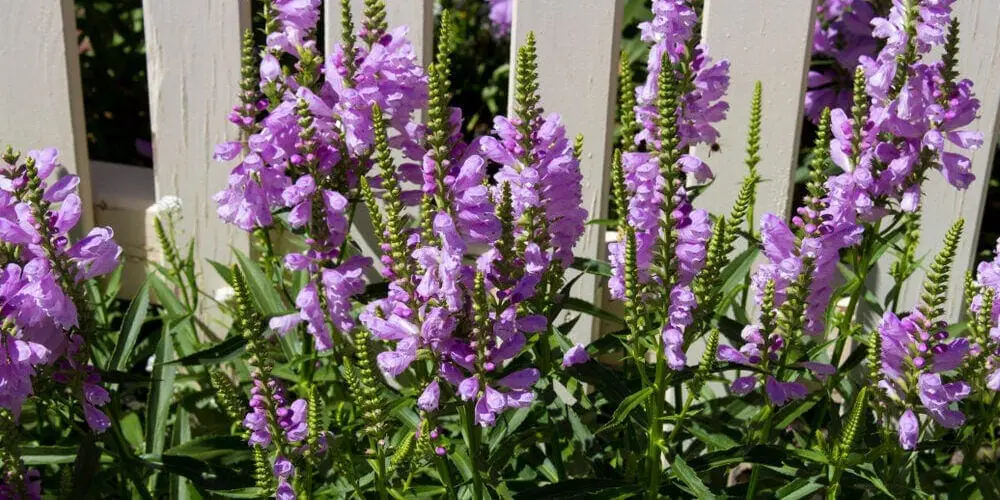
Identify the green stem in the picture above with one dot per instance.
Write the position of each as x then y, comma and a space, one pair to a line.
834, 489
473, 436
655, 431
379, 469
765, 436
680, 419
864, 263
445, 472
552, 444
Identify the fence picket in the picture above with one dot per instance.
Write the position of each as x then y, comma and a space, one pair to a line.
578, 67
978, 60
769, 41
193, 59
42, 104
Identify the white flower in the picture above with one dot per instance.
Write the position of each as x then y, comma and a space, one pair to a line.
169, 205
225, 295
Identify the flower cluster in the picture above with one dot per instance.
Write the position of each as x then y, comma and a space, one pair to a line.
676, 107
905, 110
914, 354
842, 34
671, 33
307, 154
46, 323
474, 316
986, 309
501, 15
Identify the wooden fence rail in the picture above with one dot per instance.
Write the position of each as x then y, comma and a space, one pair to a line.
193, 65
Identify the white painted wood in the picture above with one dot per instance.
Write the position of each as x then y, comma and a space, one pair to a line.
978, 60
578, 72
122, 196
42, 100
418, 15
769, 41
193, 60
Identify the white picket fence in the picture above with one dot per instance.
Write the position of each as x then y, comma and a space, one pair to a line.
193, 50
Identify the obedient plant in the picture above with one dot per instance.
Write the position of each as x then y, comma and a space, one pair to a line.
402, 324
48, 328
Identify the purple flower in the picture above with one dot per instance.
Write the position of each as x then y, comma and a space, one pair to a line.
575, 355
907, 124
283, 468
501, 15
95, 255
468, 388
701, 107
550, 181
937, 398
31, 489
284, 491
743, 385
909, 430
521, 379
428, 400
783, 392
842, 34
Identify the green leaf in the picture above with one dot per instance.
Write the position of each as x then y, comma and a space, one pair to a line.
218, 353
205, 474
602, 222
160, 394
132, 429
598, 267
689, 477
260, 286
580, 431
223, 270
736, 272
583, 488
179, 315
582, 306
135, 316
714, 440
179, 486
48, 455
625, 408
799, 488
790, 412
607, 381
757, 454
867, 472
810, 456
209, 447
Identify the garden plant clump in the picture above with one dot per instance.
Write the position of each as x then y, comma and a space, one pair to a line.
400, 327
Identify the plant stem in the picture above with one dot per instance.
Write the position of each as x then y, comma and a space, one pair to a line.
552, 440
445, 472
473, 435
765, 434
834, 489
655, 425
379, 468
680, 418
864, 263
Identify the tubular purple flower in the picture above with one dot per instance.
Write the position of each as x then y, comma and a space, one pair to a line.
575, 355
501, 15
909, 430
842, 33
701, 107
